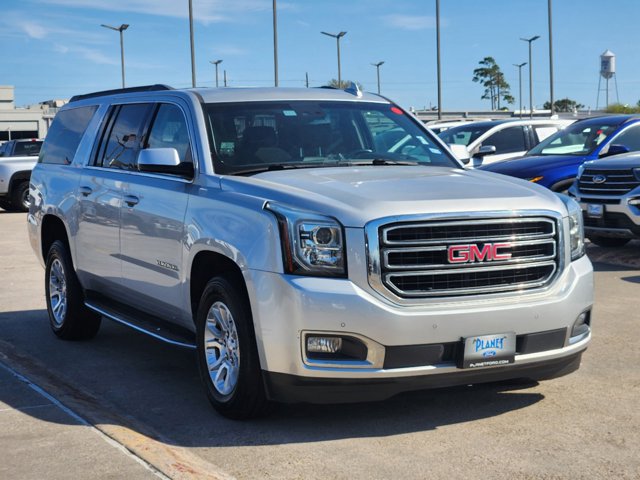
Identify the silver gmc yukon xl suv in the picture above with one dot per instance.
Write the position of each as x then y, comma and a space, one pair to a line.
313, 245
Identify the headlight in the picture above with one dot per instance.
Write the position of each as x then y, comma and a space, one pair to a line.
312, 244
580, 170
576, 227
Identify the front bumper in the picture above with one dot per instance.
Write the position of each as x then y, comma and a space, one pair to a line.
284, 307
293, 389
620, 218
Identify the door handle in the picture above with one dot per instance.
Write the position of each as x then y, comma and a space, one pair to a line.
131, 200
85, 191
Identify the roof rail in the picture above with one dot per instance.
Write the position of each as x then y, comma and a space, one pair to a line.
143, 88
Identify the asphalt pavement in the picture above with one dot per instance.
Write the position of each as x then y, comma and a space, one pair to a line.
126, 406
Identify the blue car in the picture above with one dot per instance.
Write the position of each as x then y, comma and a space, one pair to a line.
554, 162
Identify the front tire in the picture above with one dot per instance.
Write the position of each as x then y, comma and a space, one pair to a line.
68, 316
609, 242
227, 354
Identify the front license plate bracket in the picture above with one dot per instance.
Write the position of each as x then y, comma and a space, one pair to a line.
488, 350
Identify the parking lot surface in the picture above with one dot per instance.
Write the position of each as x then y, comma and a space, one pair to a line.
148, 416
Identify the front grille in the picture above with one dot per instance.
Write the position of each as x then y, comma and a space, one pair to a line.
611, 182
467, 257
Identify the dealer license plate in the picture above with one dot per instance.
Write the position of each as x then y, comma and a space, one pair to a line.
595, 211
489, 350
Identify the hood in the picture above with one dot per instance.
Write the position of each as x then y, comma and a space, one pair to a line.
627, 160
531, 166
357, 195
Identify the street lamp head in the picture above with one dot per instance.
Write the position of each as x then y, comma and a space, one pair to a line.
215, 62
519, 65
377, 64
335, 35
121, 28
530, 39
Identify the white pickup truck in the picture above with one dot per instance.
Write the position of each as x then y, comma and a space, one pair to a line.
17, 159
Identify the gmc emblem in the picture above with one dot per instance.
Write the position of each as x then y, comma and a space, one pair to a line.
490, 252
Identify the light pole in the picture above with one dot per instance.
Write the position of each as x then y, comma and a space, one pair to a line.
120, 29
530, 41
377, 65
520, 65
550, 58
438, 59
337, 36
193, 53
275, 44
216, 63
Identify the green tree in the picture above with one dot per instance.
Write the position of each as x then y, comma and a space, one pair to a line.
563, 105
343, 84
496, 88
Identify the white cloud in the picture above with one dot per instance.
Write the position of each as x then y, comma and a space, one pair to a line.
411, 22
205, 11
34, 30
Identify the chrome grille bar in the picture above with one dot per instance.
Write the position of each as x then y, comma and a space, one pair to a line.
424, 259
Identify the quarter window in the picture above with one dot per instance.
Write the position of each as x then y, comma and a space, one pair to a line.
65, 134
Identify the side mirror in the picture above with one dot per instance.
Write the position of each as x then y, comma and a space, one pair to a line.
163, 160
485, 150
614, 149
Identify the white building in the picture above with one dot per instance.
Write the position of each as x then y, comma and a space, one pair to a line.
29, 122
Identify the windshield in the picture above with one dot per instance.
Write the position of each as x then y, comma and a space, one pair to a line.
463, 134
256, 136
581, 138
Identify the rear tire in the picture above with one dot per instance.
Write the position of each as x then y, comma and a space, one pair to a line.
608, 242
20, 197
227, 354
69, 318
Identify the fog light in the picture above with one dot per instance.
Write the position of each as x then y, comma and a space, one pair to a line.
323, 344
581, 325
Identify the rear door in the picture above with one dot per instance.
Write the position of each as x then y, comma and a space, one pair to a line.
101, 193
152, 220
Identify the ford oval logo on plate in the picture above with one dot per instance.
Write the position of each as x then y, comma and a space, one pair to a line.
599, 179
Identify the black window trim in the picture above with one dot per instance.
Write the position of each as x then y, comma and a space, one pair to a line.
107, 124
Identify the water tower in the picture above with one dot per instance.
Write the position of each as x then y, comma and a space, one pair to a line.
607, 71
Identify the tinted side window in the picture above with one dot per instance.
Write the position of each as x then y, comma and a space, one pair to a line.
508, 140
27, 149
169, 130
65, 134
123, 138
630, 138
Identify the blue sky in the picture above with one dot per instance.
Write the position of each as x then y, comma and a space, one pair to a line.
56, 48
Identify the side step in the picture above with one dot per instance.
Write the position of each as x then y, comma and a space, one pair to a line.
142, 322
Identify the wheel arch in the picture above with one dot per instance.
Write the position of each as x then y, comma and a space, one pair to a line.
53, 228
18, 178
208, 264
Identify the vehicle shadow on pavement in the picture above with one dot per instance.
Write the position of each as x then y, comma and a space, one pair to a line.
125, 378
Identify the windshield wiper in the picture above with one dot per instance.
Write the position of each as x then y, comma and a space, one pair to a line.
384, 161
274, 167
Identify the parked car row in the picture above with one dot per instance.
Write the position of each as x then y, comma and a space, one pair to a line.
481, 143
590, 161
17, 159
